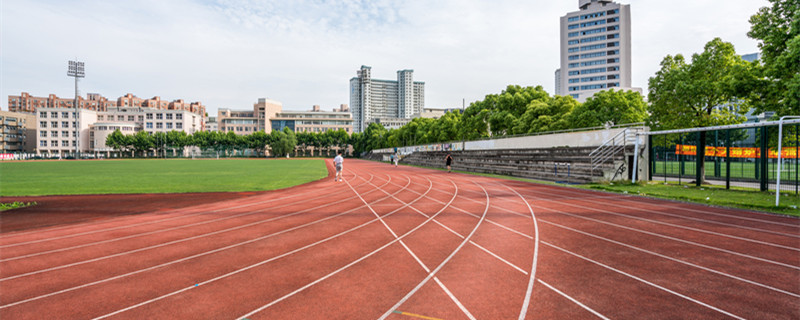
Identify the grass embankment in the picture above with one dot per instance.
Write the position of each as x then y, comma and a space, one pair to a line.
710, 195
155, 176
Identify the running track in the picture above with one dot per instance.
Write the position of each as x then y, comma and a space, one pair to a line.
410, 243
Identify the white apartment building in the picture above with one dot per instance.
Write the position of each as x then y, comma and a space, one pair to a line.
57, 126
374, 98
56, 130
595, 49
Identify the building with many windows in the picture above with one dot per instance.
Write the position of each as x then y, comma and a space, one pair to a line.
595, 49
17, 132
313, 121
95, 102
385, 99
56, 127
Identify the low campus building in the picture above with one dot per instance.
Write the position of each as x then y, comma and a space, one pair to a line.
17, 132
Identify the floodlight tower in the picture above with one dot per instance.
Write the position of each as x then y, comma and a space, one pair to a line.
76, 71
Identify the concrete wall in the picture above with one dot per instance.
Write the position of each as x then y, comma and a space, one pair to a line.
570, 139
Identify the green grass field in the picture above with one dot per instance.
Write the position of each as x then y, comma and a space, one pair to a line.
789, 170
155, 176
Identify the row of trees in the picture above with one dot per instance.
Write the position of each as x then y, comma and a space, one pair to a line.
280, 143
516, 110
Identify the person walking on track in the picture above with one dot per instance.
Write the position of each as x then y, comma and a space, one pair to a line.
338, 162
448, 160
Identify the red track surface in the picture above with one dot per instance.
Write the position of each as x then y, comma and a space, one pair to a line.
406, 243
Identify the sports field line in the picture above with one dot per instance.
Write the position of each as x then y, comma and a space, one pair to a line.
643, 281
340, 269
143, 223
546, 200
257, 264
674, 259
160, 230
561, 191
743, 255
573, 300
443, 263
424, 267
472, 242
171, 242
679, 226
177, 261
115, 219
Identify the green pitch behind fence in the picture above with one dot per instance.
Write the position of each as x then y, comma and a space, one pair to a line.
739, 157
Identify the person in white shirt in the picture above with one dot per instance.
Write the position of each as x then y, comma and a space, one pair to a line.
337, 162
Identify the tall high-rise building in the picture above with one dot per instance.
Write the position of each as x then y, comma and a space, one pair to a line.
595, 49
372, 99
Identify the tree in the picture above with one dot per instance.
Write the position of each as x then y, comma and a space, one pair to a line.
545, 115
116, 140
778, 30
142, 142
697, 94
616, 107
258, 142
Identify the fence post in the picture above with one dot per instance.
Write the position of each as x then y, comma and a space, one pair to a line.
763, 160
651, 151
728, 159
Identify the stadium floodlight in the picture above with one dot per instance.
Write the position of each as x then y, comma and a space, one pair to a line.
76, 71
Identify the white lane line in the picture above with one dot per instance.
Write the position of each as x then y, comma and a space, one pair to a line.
170, 242
154, 232
182, 259
443, 263
663, 203
675, 260
143, 223
743, 255
499, 258
573, 300
736, 226
256, 264
340, 269
677, 226
529, 293
643, 281
441, 285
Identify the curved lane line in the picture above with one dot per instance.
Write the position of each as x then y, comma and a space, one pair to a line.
179, 260
527, 300
346, 266
259, 263
156, 231
644, 281
443, 263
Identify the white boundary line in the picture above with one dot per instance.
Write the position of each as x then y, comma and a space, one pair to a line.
182, 259
573, 300
442, 264
425, 267
630, 198
143, 223
153, 232
743, 255
259, 263
675, 260
528, 294
644, 281
338, 270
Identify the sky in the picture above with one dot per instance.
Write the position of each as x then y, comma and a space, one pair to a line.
229, 53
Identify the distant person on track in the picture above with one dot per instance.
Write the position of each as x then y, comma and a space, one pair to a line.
448, 160
338, 162
395, 159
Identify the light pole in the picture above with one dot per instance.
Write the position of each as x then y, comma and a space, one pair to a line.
76, 71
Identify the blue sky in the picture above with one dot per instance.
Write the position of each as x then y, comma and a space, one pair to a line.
229, 53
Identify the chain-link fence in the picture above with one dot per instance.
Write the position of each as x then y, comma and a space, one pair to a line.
734, 156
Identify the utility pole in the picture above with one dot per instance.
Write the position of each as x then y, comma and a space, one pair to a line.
76, 71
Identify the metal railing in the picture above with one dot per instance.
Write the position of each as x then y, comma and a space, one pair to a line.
613, 146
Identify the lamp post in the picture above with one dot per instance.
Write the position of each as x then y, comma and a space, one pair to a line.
76, 71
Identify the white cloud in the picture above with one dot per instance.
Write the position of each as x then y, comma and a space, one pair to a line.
228, 53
